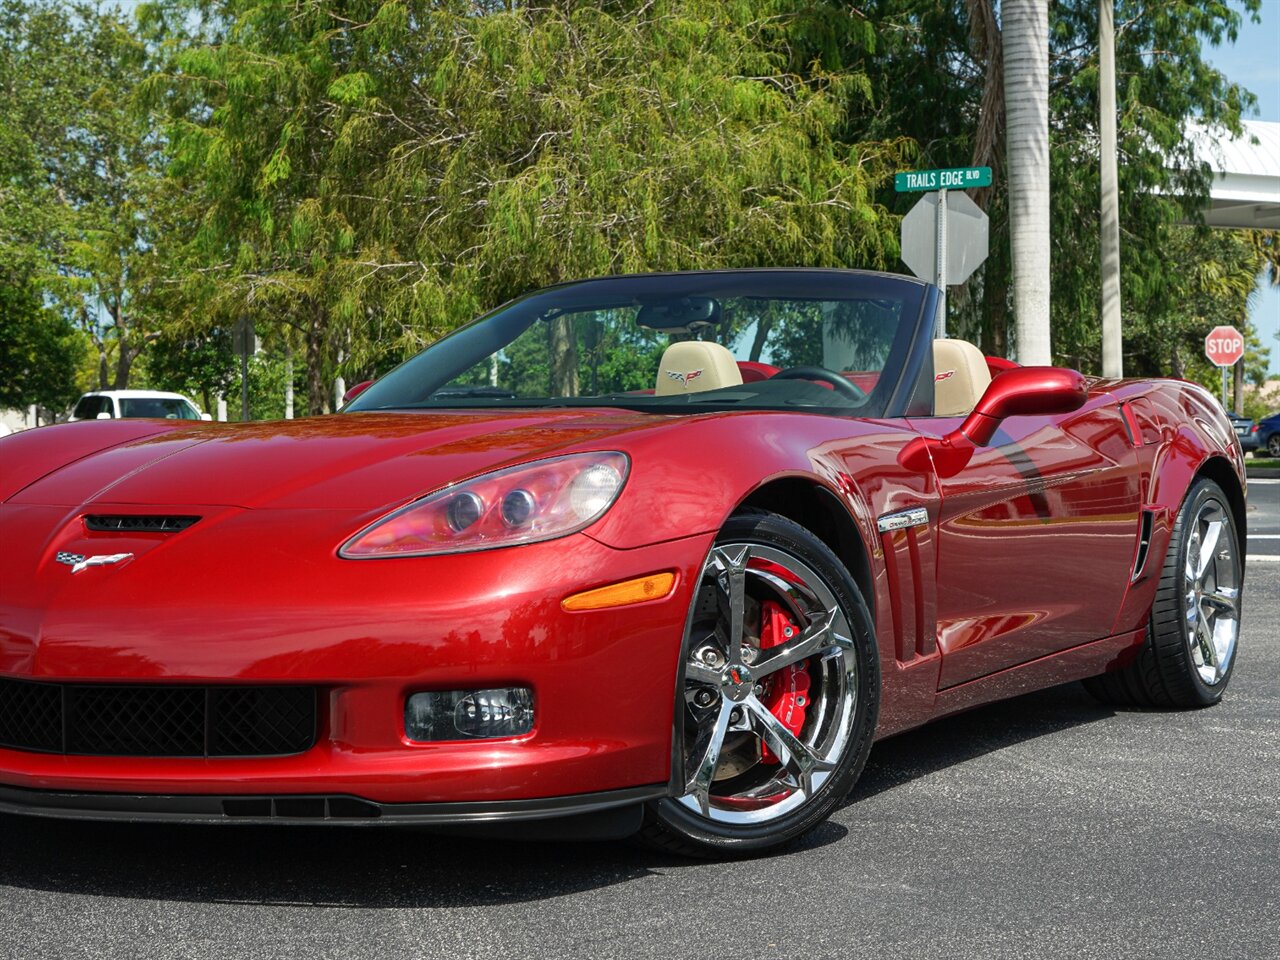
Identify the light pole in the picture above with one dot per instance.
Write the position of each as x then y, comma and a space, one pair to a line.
1112, 339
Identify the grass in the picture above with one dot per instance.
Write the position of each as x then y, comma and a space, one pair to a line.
1253, 463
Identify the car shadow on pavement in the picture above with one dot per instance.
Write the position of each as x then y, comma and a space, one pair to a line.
375, 867
966, 736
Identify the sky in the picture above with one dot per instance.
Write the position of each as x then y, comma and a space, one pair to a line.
1254, 62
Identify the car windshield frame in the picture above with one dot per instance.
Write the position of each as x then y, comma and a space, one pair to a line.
903, 386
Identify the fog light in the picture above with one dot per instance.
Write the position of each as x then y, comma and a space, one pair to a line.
469, 714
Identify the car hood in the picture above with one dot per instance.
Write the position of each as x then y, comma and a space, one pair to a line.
355, 462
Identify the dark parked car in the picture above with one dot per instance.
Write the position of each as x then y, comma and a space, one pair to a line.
1244, 430
1266, 436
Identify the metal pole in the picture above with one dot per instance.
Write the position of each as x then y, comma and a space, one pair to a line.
1224, 388
940, 269
244, 384
1112, 340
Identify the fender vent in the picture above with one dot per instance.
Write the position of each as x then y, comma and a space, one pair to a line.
137, 523
1144, 544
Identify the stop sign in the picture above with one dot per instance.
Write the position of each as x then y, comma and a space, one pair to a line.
1224, 346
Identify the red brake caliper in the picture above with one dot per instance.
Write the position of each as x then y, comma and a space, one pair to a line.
786, 693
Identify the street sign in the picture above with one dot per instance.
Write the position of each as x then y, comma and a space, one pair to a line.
955, 178
944, 230
966, 239
1224, 346
244, 340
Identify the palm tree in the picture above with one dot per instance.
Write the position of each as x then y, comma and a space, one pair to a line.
1026, 94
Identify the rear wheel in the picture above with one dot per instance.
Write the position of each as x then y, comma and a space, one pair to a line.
1191, 641
779, 693
1273, 445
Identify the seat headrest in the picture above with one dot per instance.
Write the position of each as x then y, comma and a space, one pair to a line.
960, 377
694, 365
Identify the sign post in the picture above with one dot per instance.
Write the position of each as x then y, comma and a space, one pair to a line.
1224, 346
245, 341
946, 251
940, 268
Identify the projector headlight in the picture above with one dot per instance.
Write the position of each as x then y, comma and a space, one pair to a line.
525, 504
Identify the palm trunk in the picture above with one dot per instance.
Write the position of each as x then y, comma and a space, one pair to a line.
1026, 93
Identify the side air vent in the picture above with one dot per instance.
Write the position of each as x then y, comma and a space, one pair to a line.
138, 523
1144, 544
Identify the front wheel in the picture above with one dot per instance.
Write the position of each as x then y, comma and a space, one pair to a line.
779, 693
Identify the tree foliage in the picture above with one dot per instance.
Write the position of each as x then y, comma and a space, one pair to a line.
39, 353
361, 176
376, 173
84, 198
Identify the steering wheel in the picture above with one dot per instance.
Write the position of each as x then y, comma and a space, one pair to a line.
841, 384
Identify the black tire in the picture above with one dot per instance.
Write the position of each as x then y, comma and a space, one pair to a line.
1273, 445
673, 826
1165, 675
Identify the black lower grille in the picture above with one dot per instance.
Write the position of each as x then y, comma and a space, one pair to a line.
156, 720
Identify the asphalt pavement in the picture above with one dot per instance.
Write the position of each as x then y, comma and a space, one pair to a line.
1264, 519
1048, 826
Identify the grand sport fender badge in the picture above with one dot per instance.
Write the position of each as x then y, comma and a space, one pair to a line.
915, 517
78, 561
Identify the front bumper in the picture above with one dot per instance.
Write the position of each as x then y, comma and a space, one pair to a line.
366, 634
312, 809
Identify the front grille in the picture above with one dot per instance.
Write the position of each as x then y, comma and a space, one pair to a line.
156, 720
137, 523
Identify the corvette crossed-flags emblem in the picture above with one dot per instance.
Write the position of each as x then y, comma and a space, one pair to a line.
684, 378
78, 561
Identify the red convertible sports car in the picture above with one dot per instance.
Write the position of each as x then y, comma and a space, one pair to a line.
661, 554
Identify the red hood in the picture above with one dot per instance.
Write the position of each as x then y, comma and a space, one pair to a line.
356, 462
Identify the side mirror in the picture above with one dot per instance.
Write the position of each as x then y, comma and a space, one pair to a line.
1023, 392
104, 415
353, 392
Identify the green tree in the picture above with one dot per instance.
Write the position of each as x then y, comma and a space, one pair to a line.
39, 353
377, 172
83, 191
935, 71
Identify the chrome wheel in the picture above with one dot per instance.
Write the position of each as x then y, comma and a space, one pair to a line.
770, 686
1273, 445
1211, 578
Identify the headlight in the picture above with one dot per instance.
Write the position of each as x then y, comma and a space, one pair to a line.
534, 501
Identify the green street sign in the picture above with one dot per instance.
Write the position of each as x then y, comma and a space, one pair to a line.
957, 178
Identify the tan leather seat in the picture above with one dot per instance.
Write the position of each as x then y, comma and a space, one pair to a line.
693, 365
960, 377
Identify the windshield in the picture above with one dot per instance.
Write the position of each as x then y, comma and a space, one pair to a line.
166, 408
825, 340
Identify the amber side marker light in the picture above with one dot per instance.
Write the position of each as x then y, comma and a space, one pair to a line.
653, 587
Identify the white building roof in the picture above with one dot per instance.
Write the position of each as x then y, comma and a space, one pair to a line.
1245, 193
